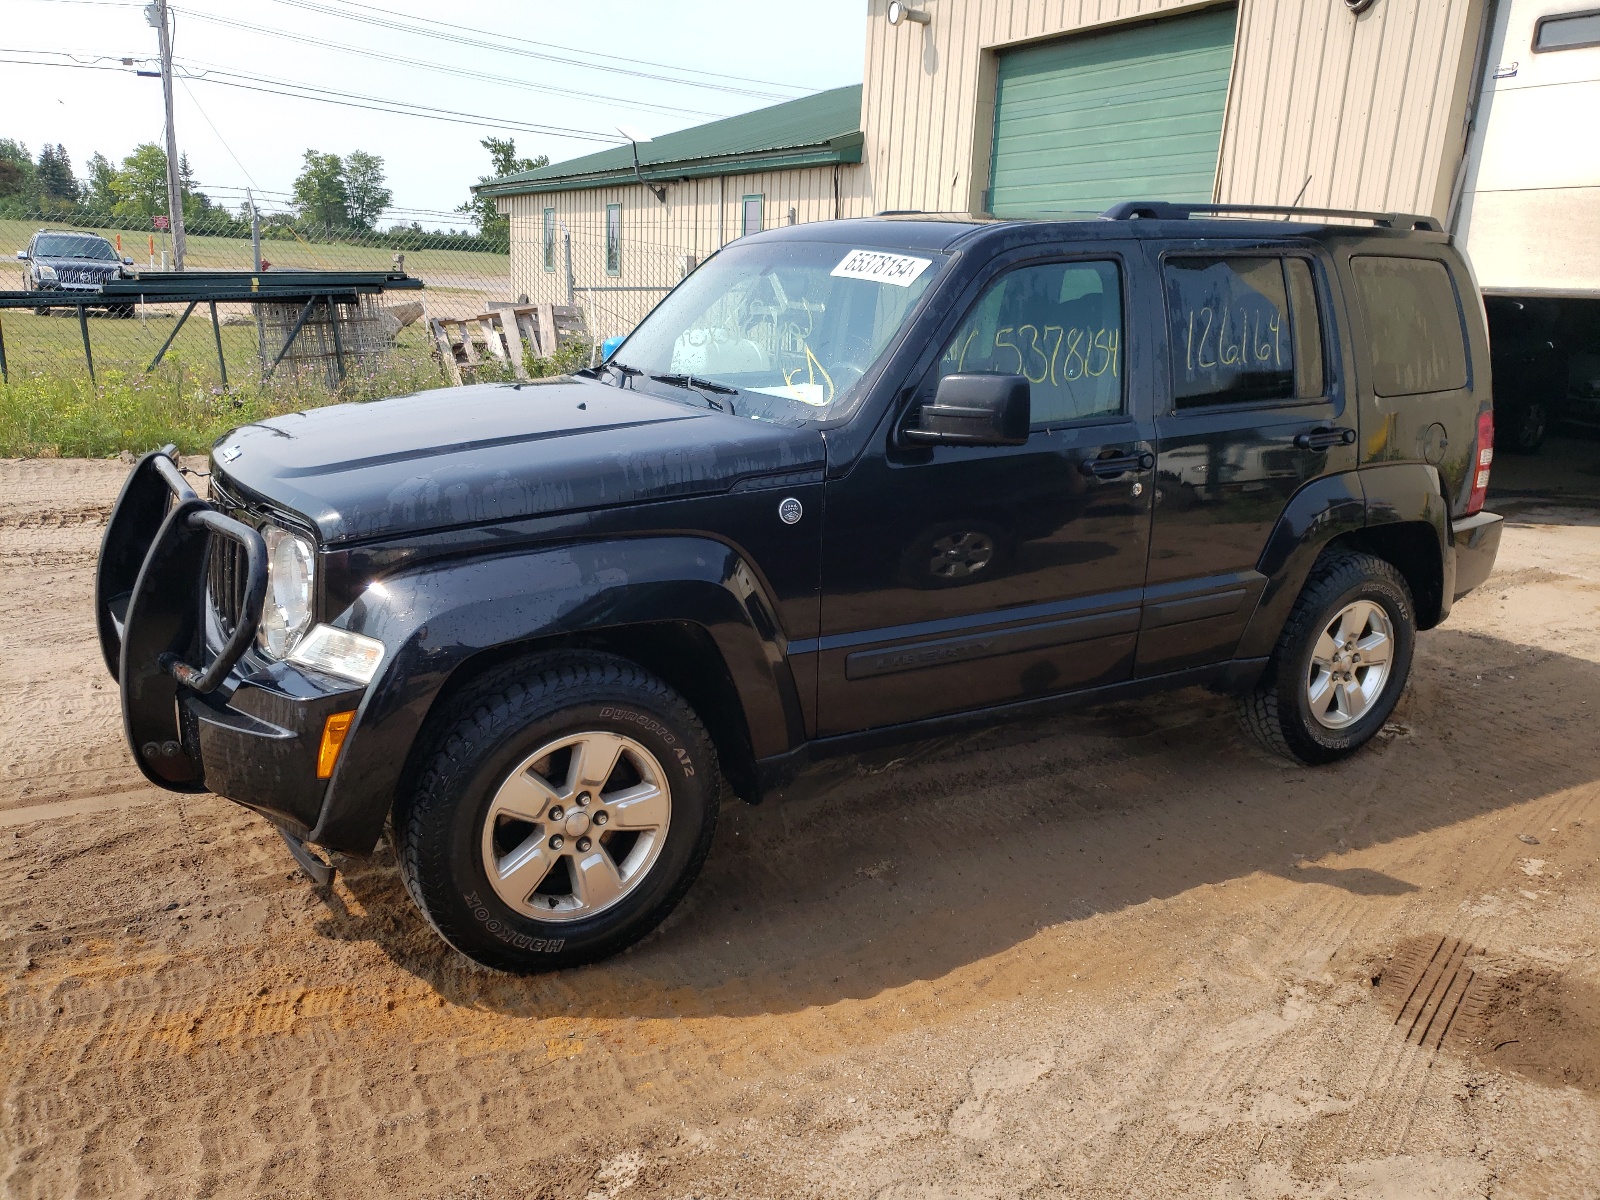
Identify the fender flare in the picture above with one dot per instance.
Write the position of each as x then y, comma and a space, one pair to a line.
1334, 506
436, 618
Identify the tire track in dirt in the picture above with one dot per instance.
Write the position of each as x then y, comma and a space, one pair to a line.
1121, 954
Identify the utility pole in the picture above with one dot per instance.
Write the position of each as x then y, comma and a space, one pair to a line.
156, 14
255, 230
572, 282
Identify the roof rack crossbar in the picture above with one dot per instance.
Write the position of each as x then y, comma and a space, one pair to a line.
1165, 210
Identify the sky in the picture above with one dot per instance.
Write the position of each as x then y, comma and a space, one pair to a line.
651, 65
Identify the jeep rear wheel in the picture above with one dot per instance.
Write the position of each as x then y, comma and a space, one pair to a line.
565, 808
1340, 664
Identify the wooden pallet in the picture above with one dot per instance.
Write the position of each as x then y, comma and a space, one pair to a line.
503, 332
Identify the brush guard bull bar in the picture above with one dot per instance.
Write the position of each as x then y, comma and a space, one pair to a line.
150, 612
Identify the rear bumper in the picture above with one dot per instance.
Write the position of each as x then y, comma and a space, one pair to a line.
244, 727
1477, 543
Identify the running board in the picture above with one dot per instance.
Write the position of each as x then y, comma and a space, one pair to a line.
317, 870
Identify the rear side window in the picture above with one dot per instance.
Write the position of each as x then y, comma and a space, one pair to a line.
1415, 333
1244, 330
1059, 324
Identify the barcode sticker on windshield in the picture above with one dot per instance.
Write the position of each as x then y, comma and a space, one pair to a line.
899, 269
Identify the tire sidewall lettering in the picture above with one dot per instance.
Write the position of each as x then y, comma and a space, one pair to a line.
644, 720
497, 928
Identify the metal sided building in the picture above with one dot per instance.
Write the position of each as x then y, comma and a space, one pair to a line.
635, 233
1478, 112
1019, 106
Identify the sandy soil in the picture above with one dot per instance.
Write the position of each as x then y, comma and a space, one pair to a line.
1118, 955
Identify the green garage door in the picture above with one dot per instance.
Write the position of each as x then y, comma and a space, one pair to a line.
1135, 114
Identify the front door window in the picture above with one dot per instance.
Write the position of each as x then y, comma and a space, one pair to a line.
1058, 324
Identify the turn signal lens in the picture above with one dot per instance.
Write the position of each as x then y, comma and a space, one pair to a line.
333, 735
1481, 462
339, 652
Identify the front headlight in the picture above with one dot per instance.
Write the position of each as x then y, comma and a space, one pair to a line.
291, 564
44, 271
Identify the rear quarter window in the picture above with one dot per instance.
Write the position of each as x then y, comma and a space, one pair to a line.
1416, 336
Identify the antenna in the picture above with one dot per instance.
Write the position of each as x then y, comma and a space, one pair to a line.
635, 135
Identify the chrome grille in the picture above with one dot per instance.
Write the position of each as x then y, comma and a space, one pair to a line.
225, 582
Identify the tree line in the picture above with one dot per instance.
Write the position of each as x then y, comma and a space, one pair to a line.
335, 198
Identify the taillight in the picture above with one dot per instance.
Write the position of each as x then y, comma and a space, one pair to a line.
1482, 463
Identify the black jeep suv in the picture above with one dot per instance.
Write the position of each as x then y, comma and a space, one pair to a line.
851, 482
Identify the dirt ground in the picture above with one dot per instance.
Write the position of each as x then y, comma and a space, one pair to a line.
1122, 954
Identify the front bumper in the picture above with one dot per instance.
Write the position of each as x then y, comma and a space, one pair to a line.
56, 285
1477, 543
237, 725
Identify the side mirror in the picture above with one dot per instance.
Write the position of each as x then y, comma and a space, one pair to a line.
976, 410
22, 256
127, 262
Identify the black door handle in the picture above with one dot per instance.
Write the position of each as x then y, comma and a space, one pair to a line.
1113, 464
1321, 439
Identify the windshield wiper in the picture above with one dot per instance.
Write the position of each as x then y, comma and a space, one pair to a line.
622, 369
694, 381
699, 385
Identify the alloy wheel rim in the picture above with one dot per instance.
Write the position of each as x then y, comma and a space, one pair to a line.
957, 555
1350, 664
576, 826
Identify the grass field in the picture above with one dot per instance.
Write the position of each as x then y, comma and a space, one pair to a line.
50, 407
217, 253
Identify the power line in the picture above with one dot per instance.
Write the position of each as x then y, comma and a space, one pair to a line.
443, 68
387, 19
188, 91
307, 91
451, 32
222, 77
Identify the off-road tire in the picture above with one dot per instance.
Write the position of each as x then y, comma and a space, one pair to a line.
476, 742
1277, 711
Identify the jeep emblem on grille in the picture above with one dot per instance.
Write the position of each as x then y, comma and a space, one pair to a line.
789, 510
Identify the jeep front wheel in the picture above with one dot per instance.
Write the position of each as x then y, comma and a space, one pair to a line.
564, 812
1340, 664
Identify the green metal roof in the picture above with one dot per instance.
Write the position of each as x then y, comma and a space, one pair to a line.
812, 131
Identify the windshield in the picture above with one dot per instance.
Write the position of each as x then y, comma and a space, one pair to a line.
793, 326
70, 245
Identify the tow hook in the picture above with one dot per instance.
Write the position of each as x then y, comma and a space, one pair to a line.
318, 870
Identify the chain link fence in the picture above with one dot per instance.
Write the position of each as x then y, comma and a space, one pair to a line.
462, 275
156, 373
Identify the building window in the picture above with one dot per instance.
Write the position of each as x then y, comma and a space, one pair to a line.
752, 216
549, 239
613, 239
1570, 31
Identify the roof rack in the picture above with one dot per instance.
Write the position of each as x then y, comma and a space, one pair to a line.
1164, 210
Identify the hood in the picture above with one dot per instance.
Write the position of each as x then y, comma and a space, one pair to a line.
497, 452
